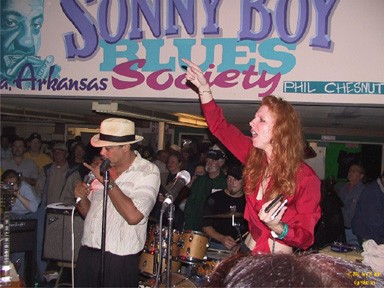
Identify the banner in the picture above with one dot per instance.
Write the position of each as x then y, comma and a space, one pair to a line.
305, 51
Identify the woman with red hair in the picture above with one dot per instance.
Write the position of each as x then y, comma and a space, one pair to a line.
273, 165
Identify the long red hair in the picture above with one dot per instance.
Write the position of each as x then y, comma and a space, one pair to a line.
287, 152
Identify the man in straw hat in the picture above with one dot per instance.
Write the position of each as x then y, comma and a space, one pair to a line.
132, 192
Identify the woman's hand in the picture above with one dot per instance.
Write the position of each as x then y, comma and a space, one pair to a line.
195, 75
197, 78
273, 224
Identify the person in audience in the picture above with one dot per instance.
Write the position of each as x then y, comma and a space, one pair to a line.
55, 185
34, 152
77, 157
161, 163
368, 220
24, 205
349, 195
225, 233
26, 200
6, 150
330, 227
203, 186
57, 182
174, 167
199, 171
26, 168
189, 160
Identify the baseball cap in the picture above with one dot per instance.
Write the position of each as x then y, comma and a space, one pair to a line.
60, 146
34, 136
215, 153
235, 171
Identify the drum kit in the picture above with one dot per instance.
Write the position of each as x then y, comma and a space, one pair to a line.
192, 260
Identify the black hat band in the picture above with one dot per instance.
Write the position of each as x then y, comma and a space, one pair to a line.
117, 139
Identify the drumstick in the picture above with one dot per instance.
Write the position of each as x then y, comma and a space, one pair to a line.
242, 236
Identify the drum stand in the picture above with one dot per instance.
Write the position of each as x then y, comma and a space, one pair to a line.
171, 213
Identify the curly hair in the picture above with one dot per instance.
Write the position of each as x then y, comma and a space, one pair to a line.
290, 270
287, 152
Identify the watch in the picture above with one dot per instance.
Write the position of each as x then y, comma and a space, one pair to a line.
111, 185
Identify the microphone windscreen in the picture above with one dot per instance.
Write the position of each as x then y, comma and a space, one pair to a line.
104, 166
185, 176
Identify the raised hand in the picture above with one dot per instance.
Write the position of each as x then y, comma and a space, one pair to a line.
194, 74
197, 78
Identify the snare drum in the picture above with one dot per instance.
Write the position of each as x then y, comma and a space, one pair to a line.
193, 246
217, 254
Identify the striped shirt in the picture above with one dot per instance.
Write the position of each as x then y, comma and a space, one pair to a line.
141, 183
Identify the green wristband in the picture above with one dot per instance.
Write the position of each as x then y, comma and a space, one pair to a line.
285, 231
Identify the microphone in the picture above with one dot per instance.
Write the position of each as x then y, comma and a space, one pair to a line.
182, 178
88, 179
105, 166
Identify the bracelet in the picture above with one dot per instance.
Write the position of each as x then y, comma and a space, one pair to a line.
208, 91
283, 234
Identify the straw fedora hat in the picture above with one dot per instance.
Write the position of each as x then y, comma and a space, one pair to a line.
114, 132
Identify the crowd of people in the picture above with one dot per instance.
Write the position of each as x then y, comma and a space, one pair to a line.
230, 198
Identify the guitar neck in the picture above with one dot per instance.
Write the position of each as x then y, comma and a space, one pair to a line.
8, 277
6, 237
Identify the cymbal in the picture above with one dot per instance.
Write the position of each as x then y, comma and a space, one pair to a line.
225, 215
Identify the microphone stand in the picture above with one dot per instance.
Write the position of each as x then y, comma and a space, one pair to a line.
103, 225
171, 212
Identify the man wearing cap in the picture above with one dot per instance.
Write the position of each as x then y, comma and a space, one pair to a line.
224, 231
26, 168
132, 192
34, 153
54, 185
202, 187
59, 178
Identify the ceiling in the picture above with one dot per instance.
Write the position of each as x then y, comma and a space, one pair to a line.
362, 123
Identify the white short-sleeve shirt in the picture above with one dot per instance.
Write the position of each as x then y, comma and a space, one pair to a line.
141, 183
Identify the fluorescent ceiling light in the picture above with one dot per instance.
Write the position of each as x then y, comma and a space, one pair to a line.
119, 109
115, 108
29, 114
195, 121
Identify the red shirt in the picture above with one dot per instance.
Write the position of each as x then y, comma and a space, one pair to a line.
303, 208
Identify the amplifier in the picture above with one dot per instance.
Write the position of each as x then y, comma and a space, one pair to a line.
58, 233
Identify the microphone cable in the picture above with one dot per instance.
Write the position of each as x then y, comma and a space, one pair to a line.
73, 247
160, 256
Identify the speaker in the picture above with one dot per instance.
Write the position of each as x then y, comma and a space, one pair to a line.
58, 234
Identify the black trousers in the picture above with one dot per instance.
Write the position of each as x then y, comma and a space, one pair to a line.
119, 271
